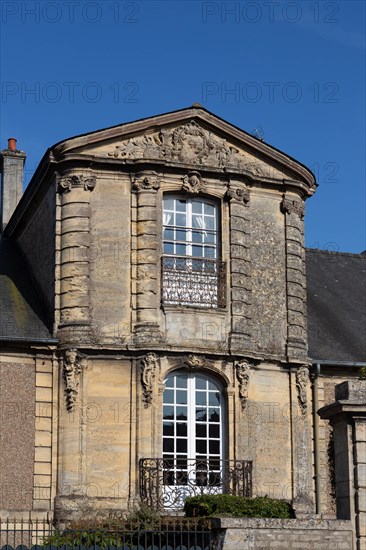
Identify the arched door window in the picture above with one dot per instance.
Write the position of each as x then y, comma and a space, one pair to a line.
193, 438
192, 272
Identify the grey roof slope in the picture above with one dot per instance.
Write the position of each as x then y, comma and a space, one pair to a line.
336, 291
21, 314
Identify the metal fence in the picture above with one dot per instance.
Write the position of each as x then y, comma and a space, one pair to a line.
163, 534
166, 482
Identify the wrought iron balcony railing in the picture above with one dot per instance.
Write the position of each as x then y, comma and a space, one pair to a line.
191, 281
166, 482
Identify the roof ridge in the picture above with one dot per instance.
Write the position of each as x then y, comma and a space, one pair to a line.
340, 253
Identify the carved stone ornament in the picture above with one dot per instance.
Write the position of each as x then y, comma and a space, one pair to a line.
191, 144
192, 183
71, 370
195, 361
147, 182
87, 182
148, 374
242, 374
302, 378
239, 194
293, 206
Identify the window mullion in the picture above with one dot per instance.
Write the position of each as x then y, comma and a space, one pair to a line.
189, 227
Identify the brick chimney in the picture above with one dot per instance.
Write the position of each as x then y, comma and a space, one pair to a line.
11, 165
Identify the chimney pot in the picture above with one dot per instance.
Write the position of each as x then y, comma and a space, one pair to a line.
12, 144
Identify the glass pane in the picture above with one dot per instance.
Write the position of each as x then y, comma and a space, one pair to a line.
197, 251
180, 205
168, 445
181, 398
209, 223
201, 430
168, 428
168, 248
196, 207
209, 238
168, 234
180, 235
181, 445
210, 252
214, 415
212, 386
201, 383
168, 204
197, 237
169, 396
181, 429
181, 413
168, 412
201, 415
180, 220
214, 398
201, 446
201, 398
181, 249
169, 382
181, 380
209, 209
214, 447
199, 222
214, 430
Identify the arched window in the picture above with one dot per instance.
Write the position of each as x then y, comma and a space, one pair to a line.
192, 273
193, 438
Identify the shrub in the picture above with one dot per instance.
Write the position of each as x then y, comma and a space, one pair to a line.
235, 506
362, 375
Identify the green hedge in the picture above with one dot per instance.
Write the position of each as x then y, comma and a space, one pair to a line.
235, 506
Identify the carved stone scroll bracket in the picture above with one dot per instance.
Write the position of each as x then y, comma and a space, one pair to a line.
242, 369
302, 379
71, 368
145, 182
148, 373
239, 194
86, 182
195, 361
293, 206
193, 183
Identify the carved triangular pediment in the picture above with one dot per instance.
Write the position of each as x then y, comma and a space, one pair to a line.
191, 137
189, 143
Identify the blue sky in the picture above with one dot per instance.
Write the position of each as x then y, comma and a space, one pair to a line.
295, 71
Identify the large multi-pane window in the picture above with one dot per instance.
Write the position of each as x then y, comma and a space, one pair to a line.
192, 273
192, 434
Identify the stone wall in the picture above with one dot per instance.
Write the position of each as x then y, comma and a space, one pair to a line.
282, 534
17, 408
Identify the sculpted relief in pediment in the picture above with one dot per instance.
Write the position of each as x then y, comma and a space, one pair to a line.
191, 144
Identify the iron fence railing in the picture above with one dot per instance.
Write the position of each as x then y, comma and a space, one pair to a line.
166, 482
164, 533
186, 280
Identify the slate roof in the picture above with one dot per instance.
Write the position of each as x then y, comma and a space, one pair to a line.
21, 314
336, 290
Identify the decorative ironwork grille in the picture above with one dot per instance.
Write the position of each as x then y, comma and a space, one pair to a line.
165, 483
191, 281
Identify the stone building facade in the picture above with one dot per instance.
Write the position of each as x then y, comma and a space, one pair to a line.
165, 347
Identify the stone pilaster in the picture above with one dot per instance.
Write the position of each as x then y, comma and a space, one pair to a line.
303, 489
74, 261
147, 329
241, 284
293, 210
